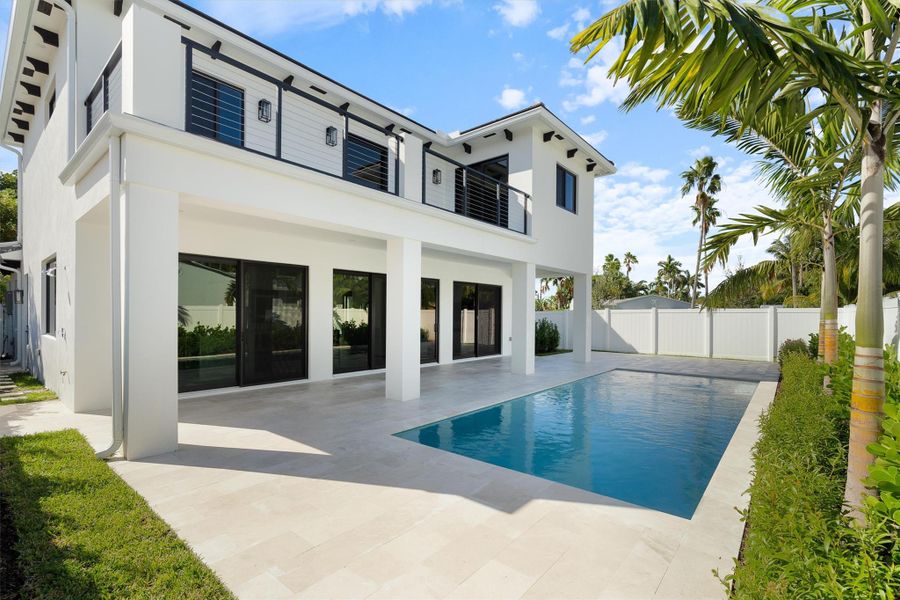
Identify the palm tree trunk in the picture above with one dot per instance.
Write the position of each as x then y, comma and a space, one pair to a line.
697, 270
867, 397
829, 337
793, 284
821, 350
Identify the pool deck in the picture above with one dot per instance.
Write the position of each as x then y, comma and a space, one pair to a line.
302, 491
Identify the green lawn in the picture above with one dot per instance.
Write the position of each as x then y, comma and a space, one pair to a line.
33, 388
71, 528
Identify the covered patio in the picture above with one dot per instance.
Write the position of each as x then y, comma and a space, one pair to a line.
303, 491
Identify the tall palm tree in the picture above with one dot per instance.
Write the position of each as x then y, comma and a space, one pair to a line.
629, 260
703, 178
706, 54
707, 219
668, 274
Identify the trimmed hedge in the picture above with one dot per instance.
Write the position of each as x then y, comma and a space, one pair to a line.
800, 542
546, 336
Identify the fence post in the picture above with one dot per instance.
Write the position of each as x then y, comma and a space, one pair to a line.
773, 334
709, 333
654, 330
608, 329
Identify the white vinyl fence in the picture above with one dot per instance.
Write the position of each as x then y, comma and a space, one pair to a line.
744, 333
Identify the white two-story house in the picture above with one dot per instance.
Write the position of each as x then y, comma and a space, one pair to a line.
201, 212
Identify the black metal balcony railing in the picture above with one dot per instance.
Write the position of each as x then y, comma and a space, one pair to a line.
239, 105
106, 92
455, 187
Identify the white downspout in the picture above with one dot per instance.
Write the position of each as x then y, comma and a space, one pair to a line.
20, 310
71, 28
119, 399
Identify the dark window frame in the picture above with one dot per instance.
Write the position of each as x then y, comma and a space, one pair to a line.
370, 351
437, 320
499, 320
50, 298
239, 318
215, 133
562, 178
384, 159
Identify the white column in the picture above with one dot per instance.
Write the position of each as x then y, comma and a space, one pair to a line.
150, 313
320, 299
404, 306
445, 325
411, 165
523, 318
581, 325
709, 332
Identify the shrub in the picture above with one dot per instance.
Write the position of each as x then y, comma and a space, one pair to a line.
813, 344
884, 475
800, 541
546, 336
789, 346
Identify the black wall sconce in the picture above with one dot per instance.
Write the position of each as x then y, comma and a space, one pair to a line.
331, 136
20, 296
264, 111
436, 177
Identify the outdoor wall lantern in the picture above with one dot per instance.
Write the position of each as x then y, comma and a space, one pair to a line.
436, 177
20, 296
331, 136
265, 111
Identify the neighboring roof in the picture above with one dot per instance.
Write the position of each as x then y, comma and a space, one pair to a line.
651, 299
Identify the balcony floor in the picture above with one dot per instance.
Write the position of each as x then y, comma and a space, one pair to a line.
302, 491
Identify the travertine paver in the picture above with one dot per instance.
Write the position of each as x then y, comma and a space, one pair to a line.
302, 491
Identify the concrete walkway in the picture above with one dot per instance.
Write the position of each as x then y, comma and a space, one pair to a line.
302, 491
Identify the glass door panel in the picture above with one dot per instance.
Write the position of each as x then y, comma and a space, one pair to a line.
358, 321
488, 335
464, 302
273, 322
378, 320
207, 319
428, 327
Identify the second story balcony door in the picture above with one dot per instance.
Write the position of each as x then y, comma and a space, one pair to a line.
484, 197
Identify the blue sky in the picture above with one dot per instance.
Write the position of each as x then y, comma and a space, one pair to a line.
451, 64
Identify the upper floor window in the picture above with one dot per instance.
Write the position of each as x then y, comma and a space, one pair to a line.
217, 110
49, 276
566, 183
367, 163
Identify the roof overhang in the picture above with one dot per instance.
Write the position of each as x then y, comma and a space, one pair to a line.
539, 114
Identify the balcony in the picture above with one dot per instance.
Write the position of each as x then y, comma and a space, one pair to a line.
239, 105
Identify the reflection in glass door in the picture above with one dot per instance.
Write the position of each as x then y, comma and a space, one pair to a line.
428, 327
273, 335
207, 319
358, 321
476, 320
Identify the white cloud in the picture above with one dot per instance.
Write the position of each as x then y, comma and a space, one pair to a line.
512, 98
272, 17
596, 138
581, 17
588, 119
700, 151
518, 13
559, 33
598, 87
566, 79
640, 209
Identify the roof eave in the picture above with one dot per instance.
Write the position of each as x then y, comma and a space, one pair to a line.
20, 11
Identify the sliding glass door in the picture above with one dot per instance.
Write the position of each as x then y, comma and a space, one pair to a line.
358, 321
428, 327
476, 320
207, 323
273, 332
239, 322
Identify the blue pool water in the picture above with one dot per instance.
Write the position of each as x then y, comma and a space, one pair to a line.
645, 438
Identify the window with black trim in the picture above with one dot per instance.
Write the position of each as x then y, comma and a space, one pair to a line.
566, 184
216, 110
49, 277
367, 163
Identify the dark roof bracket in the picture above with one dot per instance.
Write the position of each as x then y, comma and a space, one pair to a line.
548, 136
571, 153
508, 135
48, 37
117, 8
467, 148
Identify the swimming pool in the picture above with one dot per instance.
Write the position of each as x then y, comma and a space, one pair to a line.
646, 438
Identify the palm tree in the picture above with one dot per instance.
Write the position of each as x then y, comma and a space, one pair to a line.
707, 54
707, 219
668, 274
702, 177
629, 260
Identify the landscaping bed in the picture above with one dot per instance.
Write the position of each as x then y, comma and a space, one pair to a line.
71, 528
800, 542
27, 388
